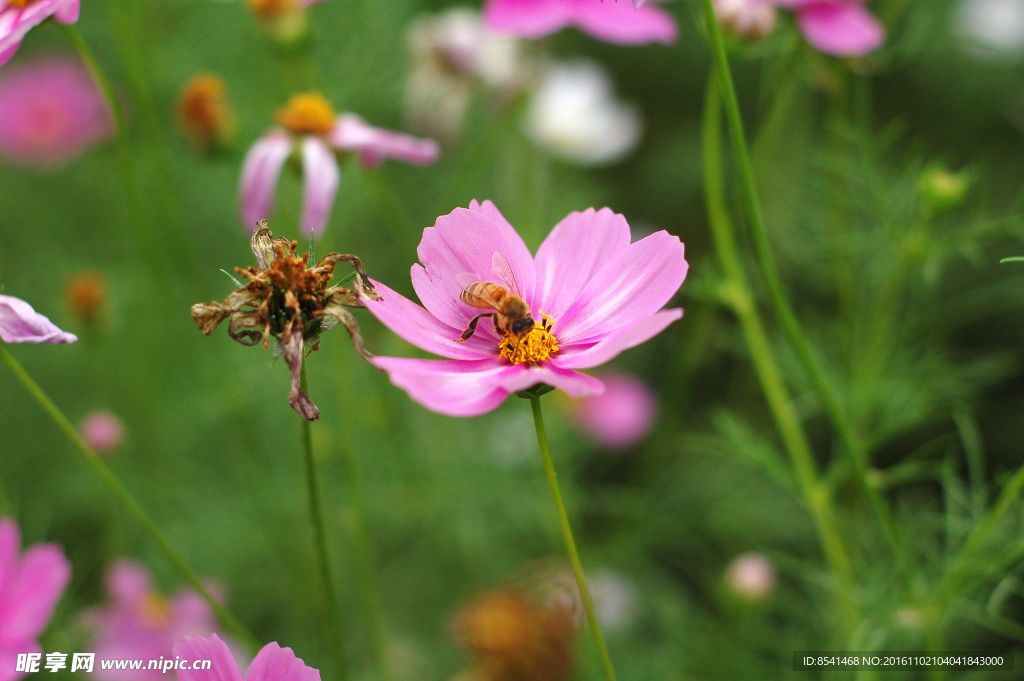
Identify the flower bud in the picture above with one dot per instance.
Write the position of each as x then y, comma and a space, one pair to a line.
751, 576
102, 430
941, 190
85, 295
205, 114
745, 19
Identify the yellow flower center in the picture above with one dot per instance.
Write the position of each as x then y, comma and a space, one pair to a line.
20, 4
536, 346
307, 113
155, 610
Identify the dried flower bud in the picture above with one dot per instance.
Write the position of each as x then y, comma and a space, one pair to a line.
205, 114
85, 295
287, 299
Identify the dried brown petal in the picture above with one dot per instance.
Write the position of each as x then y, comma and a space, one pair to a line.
293, 346
245, 327
262, 244
209, 315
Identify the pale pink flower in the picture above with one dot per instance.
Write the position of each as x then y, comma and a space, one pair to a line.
591, 293
50, 112
748, 19
272, 663
18, 17
312, 130
620, 417
751, 576
613, 21
102, 430
19, 323
843, 28
30, 586
139, 623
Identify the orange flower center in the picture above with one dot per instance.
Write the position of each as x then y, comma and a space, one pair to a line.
536, 346
269, 9
203, 109
307, 114
155, 610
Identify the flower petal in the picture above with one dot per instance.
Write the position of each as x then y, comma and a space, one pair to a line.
260, 171
67, 13
527, 18
293, 345
576, 249
624, 338
352, 133
844, 29
451, 387
572, 382
222, 664
19, 323
320, 177
412, 323
42, 576
465, 241
274, 663
631, 286
9, 657
617, 22
527, 284
7, 51
128, 583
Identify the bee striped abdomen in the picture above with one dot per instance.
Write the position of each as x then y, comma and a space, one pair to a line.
484, 294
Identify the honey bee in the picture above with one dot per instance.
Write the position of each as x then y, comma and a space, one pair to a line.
507, 308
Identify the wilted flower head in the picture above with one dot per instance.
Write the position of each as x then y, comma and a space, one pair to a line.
748, 19
751, 576
289, 299
624, 22
452, 52
622, 415
508, 321
19, 323
18, 17
312, 130
839, 27
513, 637
139, 622
85, 294
272, 663
575, 115
102, 430
204, 112
30, 586
50, 112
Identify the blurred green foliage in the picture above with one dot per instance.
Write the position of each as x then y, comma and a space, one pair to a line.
917, 324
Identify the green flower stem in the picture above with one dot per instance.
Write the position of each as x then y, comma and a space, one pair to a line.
129, 173
570, 545
369, 589
316, 514
737, 293
794, 333
126, 499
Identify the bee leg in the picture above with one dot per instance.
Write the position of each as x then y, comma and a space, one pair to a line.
471, 329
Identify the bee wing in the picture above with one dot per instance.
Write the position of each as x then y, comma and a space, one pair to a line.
466, 279
501, 268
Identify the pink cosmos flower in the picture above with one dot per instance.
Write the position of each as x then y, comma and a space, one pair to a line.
590, 291
272, 663
139, 623
623, 415
838, 27
17, 17
609, 20
50, 112
30, 586
102, 430
312, 130
19, 323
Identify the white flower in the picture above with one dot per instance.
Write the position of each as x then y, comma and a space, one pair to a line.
994, 24
574, 115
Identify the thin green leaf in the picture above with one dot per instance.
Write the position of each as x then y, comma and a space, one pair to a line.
237, 283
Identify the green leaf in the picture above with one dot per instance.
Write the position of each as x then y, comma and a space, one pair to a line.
346, 280
238, 284
535, 392
1016, 258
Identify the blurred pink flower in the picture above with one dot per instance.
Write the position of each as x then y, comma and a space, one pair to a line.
102, 430
751, 576
139, 623
19, 323
311, 128
747, 19
17, 17
50, 112
599, 295
272, 663
30, 586
613, 21
622, 415
839, 27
